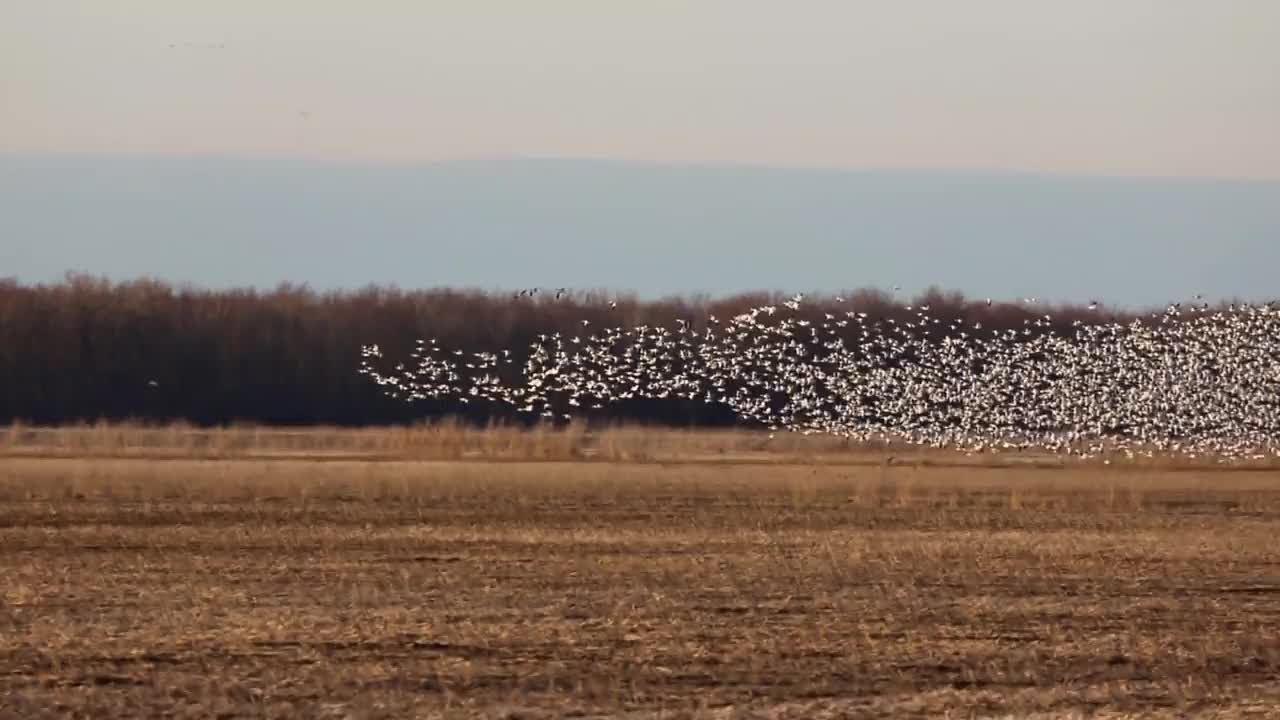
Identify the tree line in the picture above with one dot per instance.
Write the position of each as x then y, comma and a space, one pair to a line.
87, 349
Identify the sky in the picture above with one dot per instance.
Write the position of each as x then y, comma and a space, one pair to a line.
1127, 150
646, 228
1095, 87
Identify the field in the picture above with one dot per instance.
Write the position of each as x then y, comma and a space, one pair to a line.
147, 573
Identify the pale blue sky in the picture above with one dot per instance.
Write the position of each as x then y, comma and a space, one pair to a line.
1112, 87
249, 142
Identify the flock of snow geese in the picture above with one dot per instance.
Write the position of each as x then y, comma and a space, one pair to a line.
1191, 381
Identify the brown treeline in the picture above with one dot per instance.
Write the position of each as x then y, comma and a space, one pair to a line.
89, 349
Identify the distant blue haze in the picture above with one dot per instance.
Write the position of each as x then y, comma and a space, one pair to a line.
650, 229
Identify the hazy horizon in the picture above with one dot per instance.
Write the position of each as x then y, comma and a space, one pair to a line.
746, 165
651, 228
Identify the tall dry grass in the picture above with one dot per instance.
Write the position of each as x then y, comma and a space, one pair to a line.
443, 440
453, 440
920, 491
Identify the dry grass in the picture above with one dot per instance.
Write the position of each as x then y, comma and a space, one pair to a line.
445, 440
448, 440
347, 588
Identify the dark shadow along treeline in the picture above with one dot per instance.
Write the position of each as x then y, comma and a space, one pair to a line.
87, 349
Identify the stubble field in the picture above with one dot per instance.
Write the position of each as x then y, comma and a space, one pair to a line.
303, 587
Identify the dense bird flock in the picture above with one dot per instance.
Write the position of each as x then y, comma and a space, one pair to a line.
1191, 380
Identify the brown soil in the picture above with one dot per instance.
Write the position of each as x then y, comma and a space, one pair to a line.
287, 588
